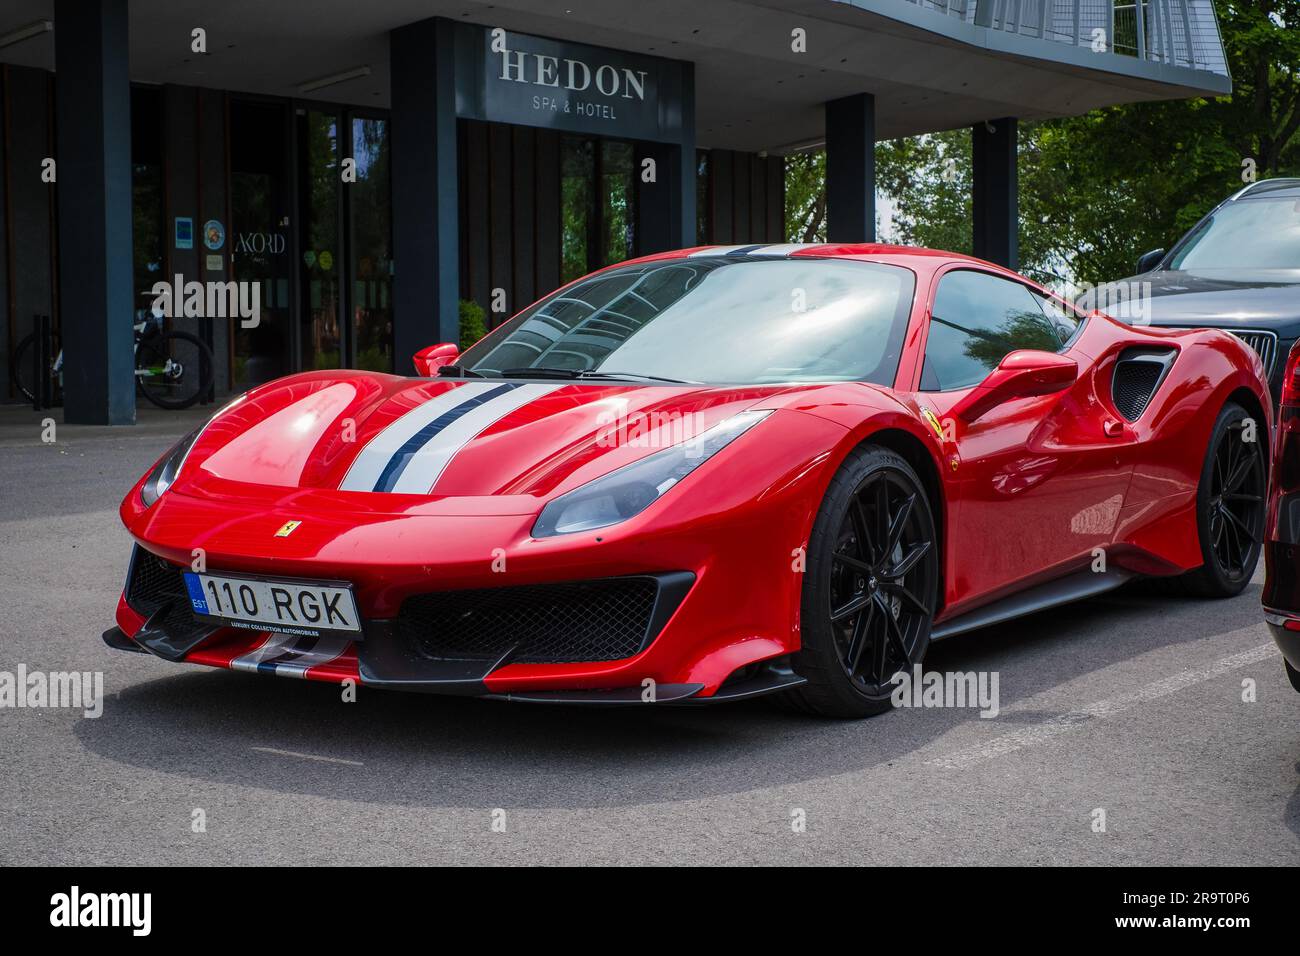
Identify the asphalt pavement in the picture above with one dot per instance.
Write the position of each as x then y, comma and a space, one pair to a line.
1135, 728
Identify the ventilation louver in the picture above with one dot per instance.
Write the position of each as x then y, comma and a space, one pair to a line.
1138, 374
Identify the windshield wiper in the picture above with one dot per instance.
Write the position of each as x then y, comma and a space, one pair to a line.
458, 371
589, 374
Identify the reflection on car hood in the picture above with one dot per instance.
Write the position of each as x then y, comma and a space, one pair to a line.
352, 431
1264, 298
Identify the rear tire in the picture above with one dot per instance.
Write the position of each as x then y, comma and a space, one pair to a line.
1229, 508
870, 587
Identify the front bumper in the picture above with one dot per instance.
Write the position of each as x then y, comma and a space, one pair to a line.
356, 661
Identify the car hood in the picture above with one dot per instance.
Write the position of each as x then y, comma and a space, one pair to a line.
1226, 298
434, 439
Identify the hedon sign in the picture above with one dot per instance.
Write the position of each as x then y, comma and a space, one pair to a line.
534, 81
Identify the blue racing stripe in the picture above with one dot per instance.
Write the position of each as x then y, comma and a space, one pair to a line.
402, 457
301, 646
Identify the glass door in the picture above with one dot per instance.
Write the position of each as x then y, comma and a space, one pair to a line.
259, 201
370, 212
321, 330
597, 220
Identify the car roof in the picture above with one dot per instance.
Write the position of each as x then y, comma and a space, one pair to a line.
868, 251
1280, 188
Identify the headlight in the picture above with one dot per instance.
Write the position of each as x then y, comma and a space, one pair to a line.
631, 489
165, 472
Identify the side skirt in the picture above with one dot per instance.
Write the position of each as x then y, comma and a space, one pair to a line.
1072, 587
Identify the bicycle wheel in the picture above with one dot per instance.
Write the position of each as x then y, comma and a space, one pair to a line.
23, 373
173, 369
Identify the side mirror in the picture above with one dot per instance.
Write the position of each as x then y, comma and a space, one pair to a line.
428, 360
1149, 260
1021, 374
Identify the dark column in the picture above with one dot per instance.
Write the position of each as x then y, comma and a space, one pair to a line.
93, 111
666, 207
851, 169
29, 255
995, 206
426, 257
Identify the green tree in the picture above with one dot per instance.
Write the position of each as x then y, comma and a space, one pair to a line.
805, 197
927, 181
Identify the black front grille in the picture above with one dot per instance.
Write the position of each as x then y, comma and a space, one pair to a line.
600, 620
155, 583
1138, 374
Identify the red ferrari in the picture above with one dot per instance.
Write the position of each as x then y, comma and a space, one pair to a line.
703, 476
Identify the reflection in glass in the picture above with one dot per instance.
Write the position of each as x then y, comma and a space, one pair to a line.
577, 175
372, 257
256, 237
147, 223
321, 263
1251, 233
618, 243
799, 321
977, 319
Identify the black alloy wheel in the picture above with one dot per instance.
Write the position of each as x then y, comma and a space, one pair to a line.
1236, 502
870, 588
878, 575
1230, 505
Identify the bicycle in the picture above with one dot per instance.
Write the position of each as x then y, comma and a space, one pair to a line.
172, 369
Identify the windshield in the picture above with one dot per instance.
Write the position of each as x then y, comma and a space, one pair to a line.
715, 320
1246, 234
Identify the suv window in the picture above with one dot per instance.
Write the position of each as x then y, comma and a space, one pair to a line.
977, 319
1249, 233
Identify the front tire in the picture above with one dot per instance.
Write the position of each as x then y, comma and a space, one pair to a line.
1229, 507
870, 587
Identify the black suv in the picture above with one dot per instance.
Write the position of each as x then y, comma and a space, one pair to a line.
1237, 269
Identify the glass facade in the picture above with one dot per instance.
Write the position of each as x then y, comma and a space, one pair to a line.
321, 334
577, 206
372, 246
308, 189
148, 218
260, 209
598, 207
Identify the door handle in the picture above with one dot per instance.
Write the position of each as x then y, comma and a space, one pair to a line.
1113, 428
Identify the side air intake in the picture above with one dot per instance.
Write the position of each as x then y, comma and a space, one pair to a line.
1138, 374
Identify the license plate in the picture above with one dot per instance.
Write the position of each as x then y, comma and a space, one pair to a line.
270, 604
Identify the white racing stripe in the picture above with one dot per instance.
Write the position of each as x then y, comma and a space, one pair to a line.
720, 250
372, 460
1071, 720
785, 249
273, 646
777, 250
427, 464
277, 655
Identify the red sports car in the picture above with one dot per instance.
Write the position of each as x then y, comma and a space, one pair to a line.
703, 476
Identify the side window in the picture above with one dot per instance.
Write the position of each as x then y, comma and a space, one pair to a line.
976, 320
1062, 316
